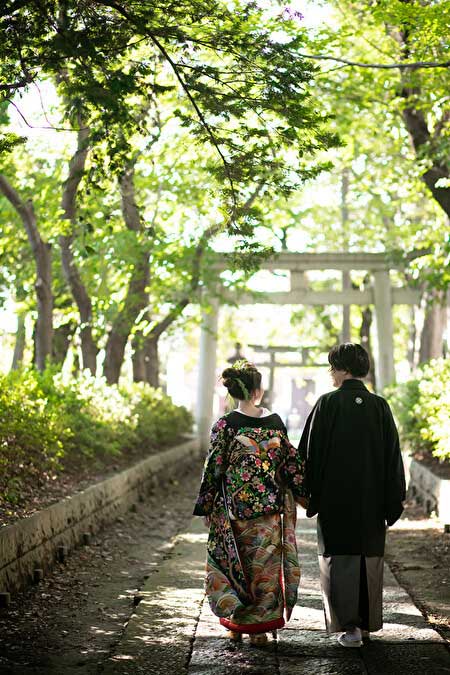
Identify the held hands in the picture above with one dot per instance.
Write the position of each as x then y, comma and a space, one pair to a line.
303, 501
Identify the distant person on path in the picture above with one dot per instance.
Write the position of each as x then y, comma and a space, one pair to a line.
251, 479
355, 482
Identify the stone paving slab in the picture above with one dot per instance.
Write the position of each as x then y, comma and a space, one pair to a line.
214, 653
174, 632
158, 638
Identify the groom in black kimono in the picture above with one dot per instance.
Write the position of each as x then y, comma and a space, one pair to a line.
355, 482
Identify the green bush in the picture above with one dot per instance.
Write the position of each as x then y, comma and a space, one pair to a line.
422, 407
47, 425
158, 421
31, 434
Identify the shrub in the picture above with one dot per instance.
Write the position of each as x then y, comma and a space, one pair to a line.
32, 436
98, 415
422, 408
158, 421
46, 424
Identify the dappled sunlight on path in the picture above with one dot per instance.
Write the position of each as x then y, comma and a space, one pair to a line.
174, 631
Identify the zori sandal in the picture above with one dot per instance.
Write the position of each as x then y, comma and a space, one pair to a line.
258, 639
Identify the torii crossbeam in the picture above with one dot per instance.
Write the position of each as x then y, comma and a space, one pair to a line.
380, 293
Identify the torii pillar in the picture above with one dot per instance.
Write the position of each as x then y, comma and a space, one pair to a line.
346, 285
385, 331
207, 372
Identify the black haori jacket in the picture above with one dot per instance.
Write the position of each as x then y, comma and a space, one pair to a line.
355, 479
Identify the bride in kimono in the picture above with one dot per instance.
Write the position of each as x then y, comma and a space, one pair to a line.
251, 480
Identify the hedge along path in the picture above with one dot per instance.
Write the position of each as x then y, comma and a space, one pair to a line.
30, 547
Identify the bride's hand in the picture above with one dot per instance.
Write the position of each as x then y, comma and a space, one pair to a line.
207, 521
303, 501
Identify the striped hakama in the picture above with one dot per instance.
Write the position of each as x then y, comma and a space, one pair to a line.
352, 591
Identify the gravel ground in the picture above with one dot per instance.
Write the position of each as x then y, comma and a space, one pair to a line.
74, 617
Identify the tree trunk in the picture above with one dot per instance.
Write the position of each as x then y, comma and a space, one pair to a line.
79, 292
42, 254
420, 135
89, 349
346, 325
366, 342
151, 360
138, 358
44, 323
424, 142
412, 338
115, 350
434, 325
76, 364
145, 358
136, 300
19, 346
61, 341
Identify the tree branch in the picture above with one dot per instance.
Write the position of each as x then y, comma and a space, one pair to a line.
185, 88
441, 124
200, 249
25, 211
419, 132
9, 87
33, 126
384, 66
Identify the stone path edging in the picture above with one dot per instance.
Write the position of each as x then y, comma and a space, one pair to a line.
35, 543
430, 490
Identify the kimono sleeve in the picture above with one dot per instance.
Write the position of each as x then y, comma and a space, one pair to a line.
293, 469
311, 450
213, 469
394, 473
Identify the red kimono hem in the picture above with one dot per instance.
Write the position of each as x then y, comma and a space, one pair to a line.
251, 628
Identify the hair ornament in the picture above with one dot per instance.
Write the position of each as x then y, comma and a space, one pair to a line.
242, 364
241, 379
243, 388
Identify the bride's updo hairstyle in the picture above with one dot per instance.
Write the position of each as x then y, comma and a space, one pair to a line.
241, 380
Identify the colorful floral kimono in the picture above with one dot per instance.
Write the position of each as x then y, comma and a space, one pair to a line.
251, 479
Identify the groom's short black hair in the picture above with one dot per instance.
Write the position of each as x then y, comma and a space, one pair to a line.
350, 357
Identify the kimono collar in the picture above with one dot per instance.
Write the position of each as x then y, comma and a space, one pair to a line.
352, 384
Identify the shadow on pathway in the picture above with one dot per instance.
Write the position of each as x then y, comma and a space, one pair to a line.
173, 631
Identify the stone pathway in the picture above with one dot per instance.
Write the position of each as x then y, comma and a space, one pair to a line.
173, 631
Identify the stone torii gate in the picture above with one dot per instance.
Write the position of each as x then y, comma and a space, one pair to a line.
272, 364
380, 294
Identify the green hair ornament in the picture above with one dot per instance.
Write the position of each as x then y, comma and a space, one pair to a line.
243, 388
243, 365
